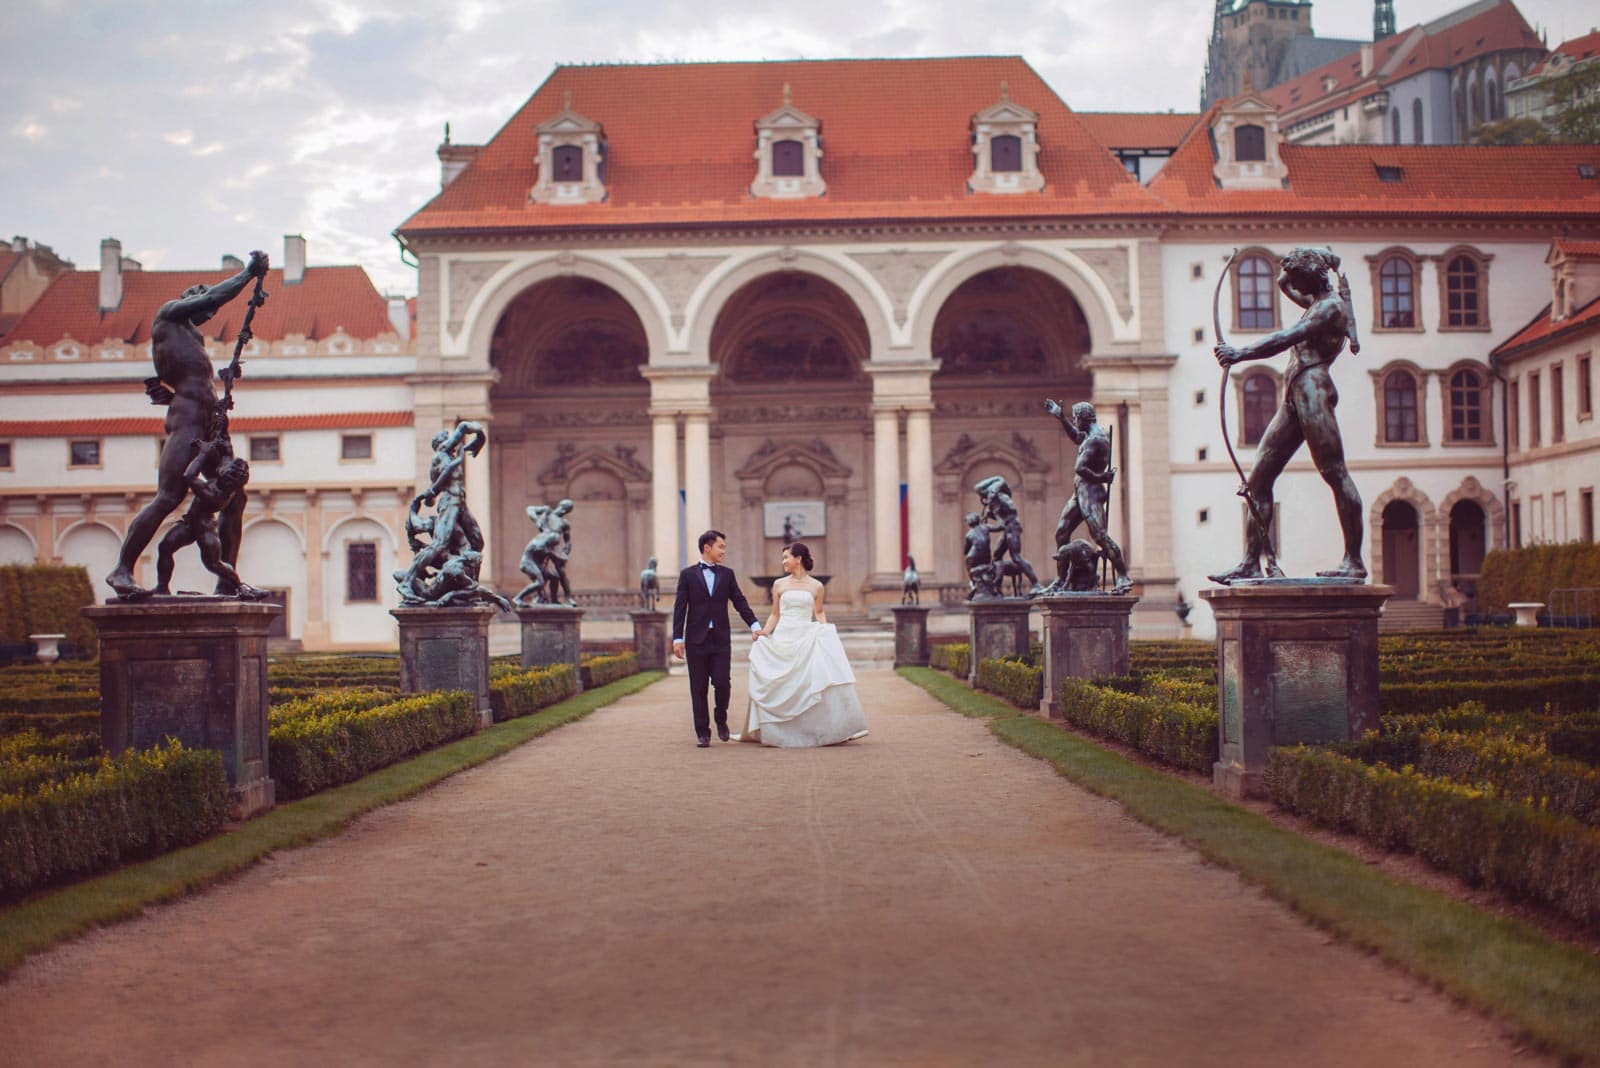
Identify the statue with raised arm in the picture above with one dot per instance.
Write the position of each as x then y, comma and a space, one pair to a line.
185, 383
1001, 515
448, 545
212, 495
1309, 277
544, 560
1091, 494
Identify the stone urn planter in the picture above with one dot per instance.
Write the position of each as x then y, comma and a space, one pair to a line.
47, 647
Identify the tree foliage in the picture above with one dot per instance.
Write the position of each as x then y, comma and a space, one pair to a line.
1575, 99
1523, 131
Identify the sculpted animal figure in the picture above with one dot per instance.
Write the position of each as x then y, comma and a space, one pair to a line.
649, 587
911, 583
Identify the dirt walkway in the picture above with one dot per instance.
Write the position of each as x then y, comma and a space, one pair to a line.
610, 894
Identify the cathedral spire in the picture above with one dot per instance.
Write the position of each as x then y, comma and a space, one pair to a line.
1382, 19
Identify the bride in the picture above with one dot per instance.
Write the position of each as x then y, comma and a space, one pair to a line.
802, 691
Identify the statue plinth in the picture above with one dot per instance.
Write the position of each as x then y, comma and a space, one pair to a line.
550, 636
447, 648
1295, 663
996, 629
195, 669
1085, 637
649, 638
910, 635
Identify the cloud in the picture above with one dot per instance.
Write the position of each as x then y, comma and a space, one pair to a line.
31, 130
178, 137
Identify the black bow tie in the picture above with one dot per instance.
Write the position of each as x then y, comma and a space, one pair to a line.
708, 567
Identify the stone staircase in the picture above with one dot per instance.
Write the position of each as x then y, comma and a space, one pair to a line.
1411, 615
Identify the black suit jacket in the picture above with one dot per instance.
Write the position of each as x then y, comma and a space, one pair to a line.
695, 609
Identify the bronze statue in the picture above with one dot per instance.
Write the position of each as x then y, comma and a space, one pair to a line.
1001, 510
649, 587
544, 560
447, 562
911, 583
198, 526
1310, 278
1077, 563
184, 383
1091, 493
983, 581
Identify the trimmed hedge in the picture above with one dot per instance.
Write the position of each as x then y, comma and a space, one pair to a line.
327, 702
1173, 732
525, 692
139, 804
954, 657
312, 752
1017, 681
1471, 832
596, 671
1530, 574
66, 723
47, 599
1562, 693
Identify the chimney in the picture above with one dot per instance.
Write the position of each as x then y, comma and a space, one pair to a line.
230, 262
1366, 59
19, 244
294, 259
453, 159
400, 317
131, 264
110, 274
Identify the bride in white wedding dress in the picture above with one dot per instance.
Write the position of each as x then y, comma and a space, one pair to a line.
802, 691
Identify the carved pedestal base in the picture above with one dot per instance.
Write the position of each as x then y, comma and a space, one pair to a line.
1085, 637
996, 629
194, 669
1294, 664
550, 636
447, 649
649, 639
910, 635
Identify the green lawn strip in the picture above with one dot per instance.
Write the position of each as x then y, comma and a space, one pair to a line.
39, 923
1547, 988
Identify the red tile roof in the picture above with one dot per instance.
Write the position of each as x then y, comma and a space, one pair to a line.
1576, 248
1544, 329
1436, 180
118, 426
1133, 129
895, 141
1577, 50
326, 299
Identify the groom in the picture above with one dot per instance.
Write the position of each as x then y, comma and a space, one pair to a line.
700, 623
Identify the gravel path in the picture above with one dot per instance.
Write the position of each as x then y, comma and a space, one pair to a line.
609, 894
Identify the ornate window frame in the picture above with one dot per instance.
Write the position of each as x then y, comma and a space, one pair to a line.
1441, 268
1485, 408
1273, 260
1376, 264
1380, 376
566, 129
1234, 173
1251, 371
1005, 119
788, 123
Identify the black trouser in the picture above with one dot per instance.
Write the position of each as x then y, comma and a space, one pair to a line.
713, 663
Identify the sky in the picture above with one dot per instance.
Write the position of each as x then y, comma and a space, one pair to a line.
190, 129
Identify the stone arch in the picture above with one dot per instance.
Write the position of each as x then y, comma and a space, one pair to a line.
1093, 296
92, 544
1494, 518
17, 546
564, 334
356, 623
272, 554
386, 536
491, 302
858, 286
264, 520
1405, 490
805, 327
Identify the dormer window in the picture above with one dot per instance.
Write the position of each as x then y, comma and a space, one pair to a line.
1005, 148
572, 153
1250, 143
788, 154
1245, 137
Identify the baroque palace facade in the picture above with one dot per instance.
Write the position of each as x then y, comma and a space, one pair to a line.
837, 293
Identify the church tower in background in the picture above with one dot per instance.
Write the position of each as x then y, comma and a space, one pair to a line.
1382, 19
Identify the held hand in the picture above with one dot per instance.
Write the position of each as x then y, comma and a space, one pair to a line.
1052, 408
677, 649
1226, 355
258, 264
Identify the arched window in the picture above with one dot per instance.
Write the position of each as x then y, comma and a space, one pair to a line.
1466, 406
1260, 404
1417, 136
1463, 298
567, 163
1394, 126
1250, 144
1397, 290
788, 159
1005, 153
1491, 101
1256, 304
1400, 408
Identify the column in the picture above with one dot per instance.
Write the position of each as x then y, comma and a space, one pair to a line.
697, 471
886, 491
919, 485
664, 491
315, 635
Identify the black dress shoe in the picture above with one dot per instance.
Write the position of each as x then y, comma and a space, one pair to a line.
704, 742
722, 734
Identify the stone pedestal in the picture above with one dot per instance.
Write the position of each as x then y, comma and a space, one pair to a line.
1085, 637
195, 669
1295, 663
550, 636
649, 639
996, 629
447, 648
911, 635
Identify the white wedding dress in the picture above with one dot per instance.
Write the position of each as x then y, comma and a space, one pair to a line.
802, 691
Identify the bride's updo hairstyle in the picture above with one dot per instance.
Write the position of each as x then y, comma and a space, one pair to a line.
799, 551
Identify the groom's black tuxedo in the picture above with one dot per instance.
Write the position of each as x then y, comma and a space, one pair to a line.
700, 621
